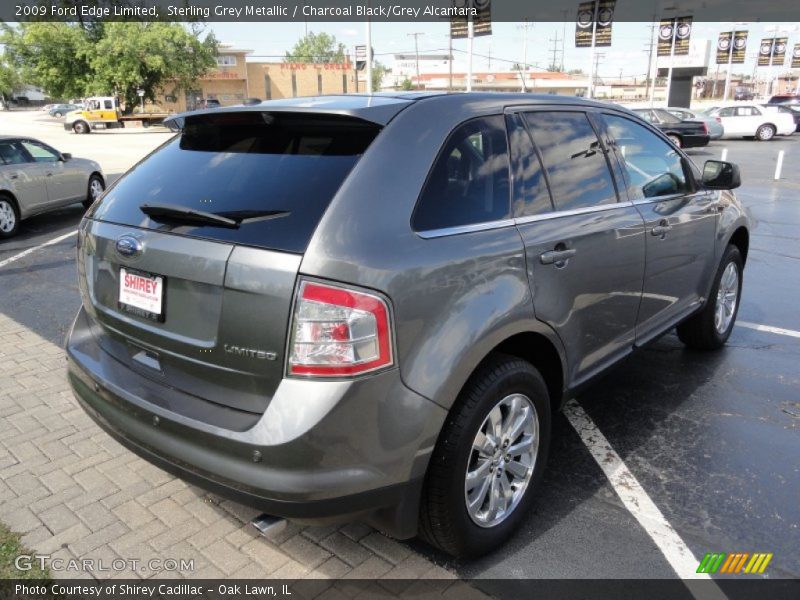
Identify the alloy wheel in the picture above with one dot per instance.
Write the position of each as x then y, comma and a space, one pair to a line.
8, 218
727, 298
95, 189
502, 460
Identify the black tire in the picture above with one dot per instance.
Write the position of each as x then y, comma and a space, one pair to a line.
9, 211
699, 331
676, 139
765, 133
90, 197
444, 519
81, 127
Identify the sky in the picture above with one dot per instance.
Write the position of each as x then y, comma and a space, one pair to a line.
627, 54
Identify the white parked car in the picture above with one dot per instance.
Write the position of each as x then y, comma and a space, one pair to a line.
35, 178
752, 120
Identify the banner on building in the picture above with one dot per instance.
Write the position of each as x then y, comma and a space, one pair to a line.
739, 47
604, 19
481, 23
683, 33
796, 57
731, 46
674, 36
724, 47
584, 25
779, 51
765, 52
666, 34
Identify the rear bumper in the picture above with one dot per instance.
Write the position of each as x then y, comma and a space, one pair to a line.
322, 451
695, 141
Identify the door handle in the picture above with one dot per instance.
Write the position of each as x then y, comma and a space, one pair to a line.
49, 174
661, 229
557, 257
14, 176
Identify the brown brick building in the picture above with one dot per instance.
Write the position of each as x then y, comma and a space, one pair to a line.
235, 79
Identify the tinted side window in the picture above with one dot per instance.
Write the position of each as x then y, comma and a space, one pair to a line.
654, 168
727, 112
469, 181
11, 154
40, 152
531, 196
575, 163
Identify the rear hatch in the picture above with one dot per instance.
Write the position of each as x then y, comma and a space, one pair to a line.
188, 264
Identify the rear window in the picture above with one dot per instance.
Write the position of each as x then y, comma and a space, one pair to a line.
273, 173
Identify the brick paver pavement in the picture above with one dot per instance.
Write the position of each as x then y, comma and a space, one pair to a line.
75, 493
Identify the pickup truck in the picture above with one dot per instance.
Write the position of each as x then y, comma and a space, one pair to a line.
102, 112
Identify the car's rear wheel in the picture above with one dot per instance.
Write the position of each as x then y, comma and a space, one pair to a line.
675, 139
81, 127
711, 327
765, 133
94, 191
9, 217
488, 460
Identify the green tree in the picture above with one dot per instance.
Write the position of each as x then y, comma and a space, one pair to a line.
54, 56
378, 73
316, 48
72, 60
9, 81
149, 56
407, 85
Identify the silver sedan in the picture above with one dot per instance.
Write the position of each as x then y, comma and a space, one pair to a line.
35, 178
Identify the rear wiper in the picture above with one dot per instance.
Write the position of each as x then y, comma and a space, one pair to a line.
174, 212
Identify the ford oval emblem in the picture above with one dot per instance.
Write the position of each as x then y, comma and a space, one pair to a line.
128, 246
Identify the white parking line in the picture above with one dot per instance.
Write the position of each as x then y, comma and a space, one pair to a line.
636, 500
16, 257
769, 329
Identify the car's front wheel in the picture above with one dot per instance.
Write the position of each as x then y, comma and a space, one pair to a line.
711, 327
9, 217
488, 460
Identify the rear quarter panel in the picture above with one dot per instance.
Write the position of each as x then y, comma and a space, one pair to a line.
454, 298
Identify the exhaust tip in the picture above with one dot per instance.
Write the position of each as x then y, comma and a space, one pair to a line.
268, 525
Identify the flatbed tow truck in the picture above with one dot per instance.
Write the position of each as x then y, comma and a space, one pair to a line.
102, 112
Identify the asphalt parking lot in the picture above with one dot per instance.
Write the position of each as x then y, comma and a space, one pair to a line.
711, 438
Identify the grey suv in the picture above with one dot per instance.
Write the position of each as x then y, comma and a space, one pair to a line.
370, 307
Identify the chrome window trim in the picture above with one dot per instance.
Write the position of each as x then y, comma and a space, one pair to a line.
448, 231
569, 213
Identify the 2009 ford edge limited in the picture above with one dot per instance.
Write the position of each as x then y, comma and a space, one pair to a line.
370, 307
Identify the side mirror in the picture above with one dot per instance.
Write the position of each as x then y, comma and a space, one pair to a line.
719, 175
65, 156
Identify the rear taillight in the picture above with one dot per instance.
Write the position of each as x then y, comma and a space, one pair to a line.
338, 332
705, 127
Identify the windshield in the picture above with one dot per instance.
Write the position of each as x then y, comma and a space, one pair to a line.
285, 166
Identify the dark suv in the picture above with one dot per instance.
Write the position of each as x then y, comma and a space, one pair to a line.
370, 307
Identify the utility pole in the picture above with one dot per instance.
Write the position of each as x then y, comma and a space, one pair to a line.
564, 41
416, 35
650, 52
597, 57
524, 27
554, 64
